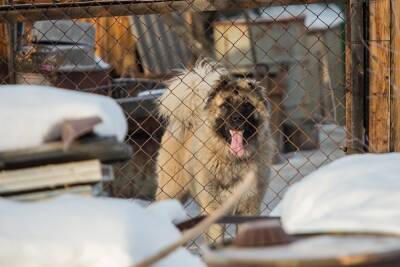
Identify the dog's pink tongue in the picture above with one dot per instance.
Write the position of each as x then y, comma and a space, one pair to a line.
237, 148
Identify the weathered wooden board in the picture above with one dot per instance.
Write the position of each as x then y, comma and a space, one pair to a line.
50, 176
85, 190
327, 250
107, 150
348, 80
379, 76
357, 78
395, 77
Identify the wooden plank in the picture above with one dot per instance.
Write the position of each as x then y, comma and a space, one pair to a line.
395, 77
348, 80
379, 26
12, 40
379, 77
90, 9
85, 190
50, 176
379, 98
107, 150
357, 73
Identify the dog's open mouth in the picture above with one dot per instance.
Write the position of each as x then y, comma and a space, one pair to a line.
236, 146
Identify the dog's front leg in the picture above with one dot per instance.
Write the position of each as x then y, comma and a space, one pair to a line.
209, 199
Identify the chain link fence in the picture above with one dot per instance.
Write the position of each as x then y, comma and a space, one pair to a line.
295, 52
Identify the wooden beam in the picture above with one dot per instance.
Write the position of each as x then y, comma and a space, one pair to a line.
88, 9
395, 76
50, 176
355, 71
379, 76
12, 40
348, 79
83, 190
106, 150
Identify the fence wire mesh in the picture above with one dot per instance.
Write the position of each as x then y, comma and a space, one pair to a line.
295, 52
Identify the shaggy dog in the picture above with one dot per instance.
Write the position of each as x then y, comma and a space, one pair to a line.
217, 131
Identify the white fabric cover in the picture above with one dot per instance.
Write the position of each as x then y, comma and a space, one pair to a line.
74, 231
358, 193
29, 113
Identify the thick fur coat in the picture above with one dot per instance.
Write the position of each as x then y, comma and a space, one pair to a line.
217, 130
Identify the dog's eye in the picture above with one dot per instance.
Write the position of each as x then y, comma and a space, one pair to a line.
248, 106
226, 105
247, 109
